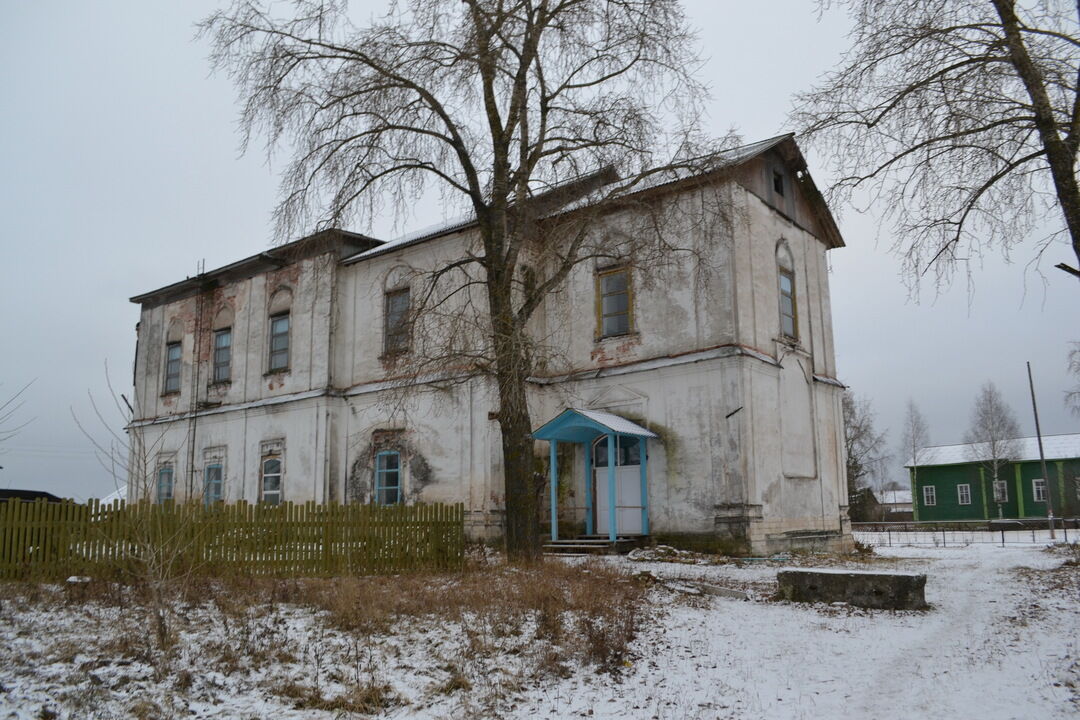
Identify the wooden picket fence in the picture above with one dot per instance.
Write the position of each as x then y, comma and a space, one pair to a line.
49, 541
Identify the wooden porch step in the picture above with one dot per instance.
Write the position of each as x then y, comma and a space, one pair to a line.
594, 545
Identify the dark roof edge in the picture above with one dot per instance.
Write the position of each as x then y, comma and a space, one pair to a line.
343, 242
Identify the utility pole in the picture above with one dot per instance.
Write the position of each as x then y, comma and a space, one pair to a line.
1042, 457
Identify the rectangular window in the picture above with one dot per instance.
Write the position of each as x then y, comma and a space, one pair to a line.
613, 300
270, 481
212, 483
1038, 489
222, 354
396, 322
165, 483
788, 324
1001, 491
172, 367
929, 495
388, 478
963, 494
279, 342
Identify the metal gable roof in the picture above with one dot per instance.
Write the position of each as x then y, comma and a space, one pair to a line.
1055, 447
573, 425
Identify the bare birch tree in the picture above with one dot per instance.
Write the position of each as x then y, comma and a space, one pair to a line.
993, 432
915, 438
10, 424
492, 102
961, 118
864, 446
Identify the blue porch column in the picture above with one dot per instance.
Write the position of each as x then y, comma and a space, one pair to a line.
612, 534
588, 489
554, 471
643, 444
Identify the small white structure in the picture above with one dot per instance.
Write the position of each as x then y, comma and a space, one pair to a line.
710, 382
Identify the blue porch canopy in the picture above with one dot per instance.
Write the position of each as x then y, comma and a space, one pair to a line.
584, 427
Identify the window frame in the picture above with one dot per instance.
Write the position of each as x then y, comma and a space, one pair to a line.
1003, 495
781, 274
379, 475
601, 316
169, 387
163, 468
962, 490
280, 474
217, 364
401, 333
1039, 487
929, 495
208, 499
271, 335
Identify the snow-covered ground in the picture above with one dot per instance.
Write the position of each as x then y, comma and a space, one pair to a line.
1002, 640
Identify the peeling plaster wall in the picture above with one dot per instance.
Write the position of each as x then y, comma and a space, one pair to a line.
750, 442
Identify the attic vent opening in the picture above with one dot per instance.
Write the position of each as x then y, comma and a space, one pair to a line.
778, 182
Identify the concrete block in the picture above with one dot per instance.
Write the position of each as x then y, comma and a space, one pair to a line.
881, 590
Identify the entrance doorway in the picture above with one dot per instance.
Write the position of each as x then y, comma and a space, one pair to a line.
628, 501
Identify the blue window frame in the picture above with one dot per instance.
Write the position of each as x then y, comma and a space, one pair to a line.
388, 478
165, 483
222, 354
213, 475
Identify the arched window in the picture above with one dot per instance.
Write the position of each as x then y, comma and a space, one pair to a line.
223, 322
278, 330
789, 316
174, 351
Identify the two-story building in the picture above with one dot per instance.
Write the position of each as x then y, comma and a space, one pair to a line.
695, 398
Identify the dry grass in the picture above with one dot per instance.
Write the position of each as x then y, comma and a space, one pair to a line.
339, 644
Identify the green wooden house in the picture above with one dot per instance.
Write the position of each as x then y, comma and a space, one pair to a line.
954, 482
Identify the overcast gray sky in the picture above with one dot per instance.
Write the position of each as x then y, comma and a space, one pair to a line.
121, 171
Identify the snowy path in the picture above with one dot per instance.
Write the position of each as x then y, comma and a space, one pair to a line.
990, 648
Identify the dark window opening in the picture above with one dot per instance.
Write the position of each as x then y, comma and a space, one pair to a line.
396, 322
613, 288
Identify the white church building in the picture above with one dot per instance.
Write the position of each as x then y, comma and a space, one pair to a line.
697, 399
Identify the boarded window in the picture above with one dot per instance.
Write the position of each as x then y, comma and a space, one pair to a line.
963, 494
213, 477
172, 367
929, 495
388, 478
270, 480
613, 301
165, 483
396, 322
279, 342
222, 354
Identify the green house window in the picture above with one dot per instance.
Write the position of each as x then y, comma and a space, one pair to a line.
388, 478
1038, 489
1001, 491
929, 495
963, 494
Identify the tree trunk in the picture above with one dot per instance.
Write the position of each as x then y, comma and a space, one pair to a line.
511, 372
1059, 155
